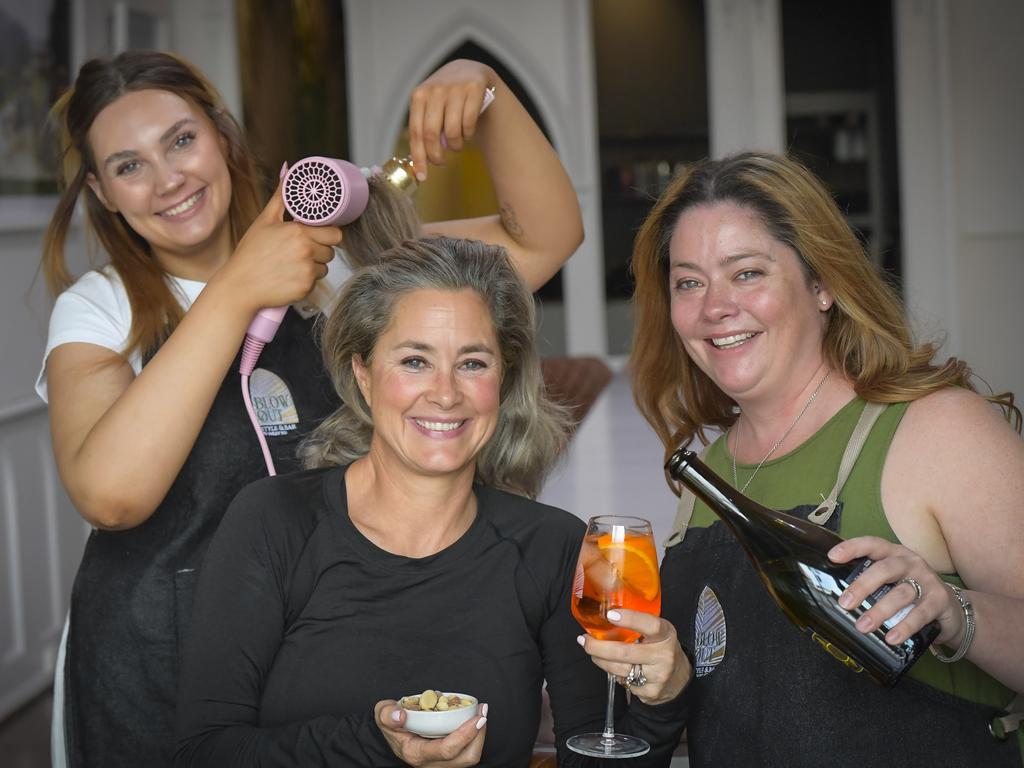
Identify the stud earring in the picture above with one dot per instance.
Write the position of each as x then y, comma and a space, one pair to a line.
824, 302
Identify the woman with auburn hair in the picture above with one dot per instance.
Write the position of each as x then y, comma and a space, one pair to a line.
759, 314
150, 433
411, 555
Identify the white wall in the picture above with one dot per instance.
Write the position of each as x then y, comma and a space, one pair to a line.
746, 97
41, 536
960, 70
206, 33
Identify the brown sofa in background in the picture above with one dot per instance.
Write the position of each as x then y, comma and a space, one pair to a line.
575, 382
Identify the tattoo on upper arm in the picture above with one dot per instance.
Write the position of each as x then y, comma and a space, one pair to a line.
509, 220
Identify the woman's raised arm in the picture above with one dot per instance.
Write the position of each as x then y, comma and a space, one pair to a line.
539, 220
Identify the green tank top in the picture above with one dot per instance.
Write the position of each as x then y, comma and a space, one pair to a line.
806, 475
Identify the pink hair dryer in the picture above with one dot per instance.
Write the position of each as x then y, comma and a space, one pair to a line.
321, 192
318, 191
325, 192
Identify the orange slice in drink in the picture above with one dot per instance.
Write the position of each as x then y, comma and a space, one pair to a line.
635, 561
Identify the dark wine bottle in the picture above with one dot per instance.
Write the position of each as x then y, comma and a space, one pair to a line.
791, 558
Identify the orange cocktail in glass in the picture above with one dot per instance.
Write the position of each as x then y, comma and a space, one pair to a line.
616, 569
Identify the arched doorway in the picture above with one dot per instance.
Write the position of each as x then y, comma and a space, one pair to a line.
462, 187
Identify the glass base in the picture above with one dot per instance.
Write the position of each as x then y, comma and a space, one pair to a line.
613, 747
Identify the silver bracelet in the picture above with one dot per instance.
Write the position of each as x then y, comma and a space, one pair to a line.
969, 626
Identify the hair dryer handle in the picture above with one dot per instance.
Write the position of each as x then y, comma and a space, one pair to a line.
265, 324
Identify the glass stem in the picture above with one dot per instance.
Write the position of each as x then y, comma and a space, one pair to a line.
609, 713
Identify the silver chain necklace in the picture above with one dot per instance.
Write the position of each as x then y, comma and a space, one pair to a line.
780, 441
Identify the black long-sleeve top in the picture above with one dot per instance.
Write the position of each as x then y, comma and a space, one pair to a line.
301, 625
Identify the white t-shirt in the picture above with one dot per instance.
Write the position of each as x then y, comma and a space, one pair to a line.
95, 310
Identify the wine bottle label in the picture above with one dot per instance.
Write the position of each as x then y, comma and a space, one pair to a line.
836, 652
861, 567
877, 595
897, 617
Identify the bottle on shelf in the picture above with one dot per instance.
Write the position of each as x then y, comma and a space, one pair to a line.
791, 558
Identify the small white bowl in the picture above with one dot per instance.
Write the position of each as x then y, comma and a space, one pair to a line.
434, 725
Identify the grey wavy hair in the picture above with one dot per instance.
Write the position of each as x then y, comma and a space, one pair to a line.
390, 219
532, 431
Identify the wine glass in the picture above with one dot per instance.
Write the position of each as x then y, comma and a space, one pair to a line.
617, 568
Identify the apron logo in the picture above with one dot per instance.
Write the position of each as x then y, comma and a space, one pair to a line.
273, 403
708, 634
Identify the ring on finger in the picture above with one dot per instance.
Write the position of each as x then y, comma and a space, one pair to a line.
636, 678
916, 585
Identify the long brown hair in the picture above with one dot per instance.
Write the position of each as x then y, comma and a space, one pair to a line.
867, 337
100, 82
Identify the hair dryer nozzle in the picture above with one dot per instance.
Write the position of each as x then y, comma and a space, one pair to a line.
325, 192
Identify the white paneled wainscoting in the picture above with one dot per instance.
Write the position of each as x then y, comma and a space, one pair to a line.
41, 539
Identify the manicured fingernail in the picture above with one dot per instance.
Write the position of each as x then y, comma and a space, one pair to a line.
284, 170
481, 723
614, 616
396, 715
581, 640
483, 710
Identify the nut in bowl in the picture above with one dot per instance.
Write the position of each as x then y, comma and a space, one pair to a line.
433, 714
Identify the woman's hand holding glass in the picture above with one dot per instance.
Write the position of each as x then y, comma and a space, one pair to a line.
617, 574
658, 654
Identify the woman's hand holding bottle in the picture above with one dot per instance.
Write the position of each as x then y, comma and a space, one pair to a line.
895, 564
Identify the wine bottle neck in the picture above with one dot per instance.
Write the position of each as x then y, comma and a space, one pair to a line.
706, 485
775, 531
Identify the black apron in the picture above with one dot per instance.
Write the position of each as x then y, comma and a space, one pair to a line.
132, 596
770, 696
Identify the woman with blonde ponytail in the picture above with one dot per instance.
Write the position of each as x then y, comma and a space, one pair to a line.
150, 432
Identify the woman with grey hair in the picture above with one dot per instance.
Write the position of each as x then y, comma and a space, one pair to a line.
531, 431
410, 555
